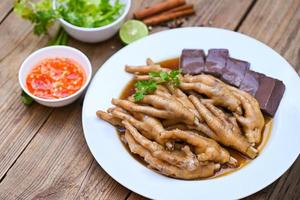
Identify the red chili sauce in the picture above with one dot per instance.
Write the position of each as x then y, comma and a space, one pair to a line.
55, 78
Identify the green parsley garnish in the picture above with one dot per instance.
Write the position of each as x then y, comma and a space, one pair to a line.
144, 87
41, 14
171, 77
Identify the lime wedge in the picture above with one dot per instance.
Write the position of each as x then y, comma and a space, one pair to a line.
133, 30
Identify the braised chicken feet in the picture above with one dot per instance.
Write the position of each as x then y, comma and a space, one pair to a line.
225, 129
252, 121
216, 90
202, 171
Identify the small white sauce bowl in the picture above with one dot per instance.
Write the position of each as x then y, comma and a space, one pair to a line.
92, 35
55, 52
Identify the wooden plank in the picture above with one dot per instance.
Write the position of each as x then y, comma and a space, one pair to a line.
13, 31
55, 163
135, 196
5, 8
277, 23
43, 164
18, 123
222, 14
99, 185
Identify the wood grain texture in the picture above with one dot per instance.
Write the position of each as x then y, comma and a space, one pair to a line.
135, 196
5, 8
212, 13
276, 23
13, 31
98, 185
18, 123
56, 163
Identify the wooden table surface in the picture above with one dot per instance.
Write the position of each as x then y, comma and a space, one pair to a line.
43, 153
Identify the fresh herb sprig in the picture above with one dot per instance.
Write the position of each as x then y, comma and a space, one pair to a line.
41, 14
164, 77
144, 87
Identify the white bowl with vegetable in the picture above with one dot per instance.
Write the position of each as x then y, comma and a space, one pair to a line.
55, 76
94, 20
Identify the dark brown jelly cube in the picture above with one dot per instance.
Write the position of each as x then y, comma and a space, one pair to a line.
216, 61
234, 71
250, 83
269, 94
192, 61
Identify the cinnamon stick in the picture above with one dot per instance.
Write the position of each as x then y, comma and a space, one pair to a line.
157, 8
167, 16
180, 8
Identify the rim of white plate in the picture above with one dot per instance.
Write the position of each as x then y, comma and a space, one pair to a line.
244, 177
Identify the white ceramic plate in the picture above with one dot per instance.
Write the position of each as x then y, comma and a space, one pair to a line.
278, 155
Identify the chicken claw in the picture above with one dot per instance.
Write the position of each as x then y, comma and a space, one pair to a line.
183, 98
205, 148
184, 159
150, 67
109, 118
216, 90
225, 128
149, 126
167, 169
253, 120
164, 108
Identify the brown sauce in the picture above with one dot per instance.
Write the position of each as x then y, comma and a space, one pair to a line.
242, 160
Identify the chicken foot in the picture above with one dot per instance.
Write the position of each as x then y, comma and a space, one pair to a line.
184, 159
150, 67
216, 90
253, 120
164, 108
205, 148
225, 128
167, 169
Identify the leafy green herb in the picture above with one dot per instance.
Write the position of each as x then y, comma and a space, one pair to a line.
174, 77
164, 77
41, 14
83, 13
26, 99
144, 87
